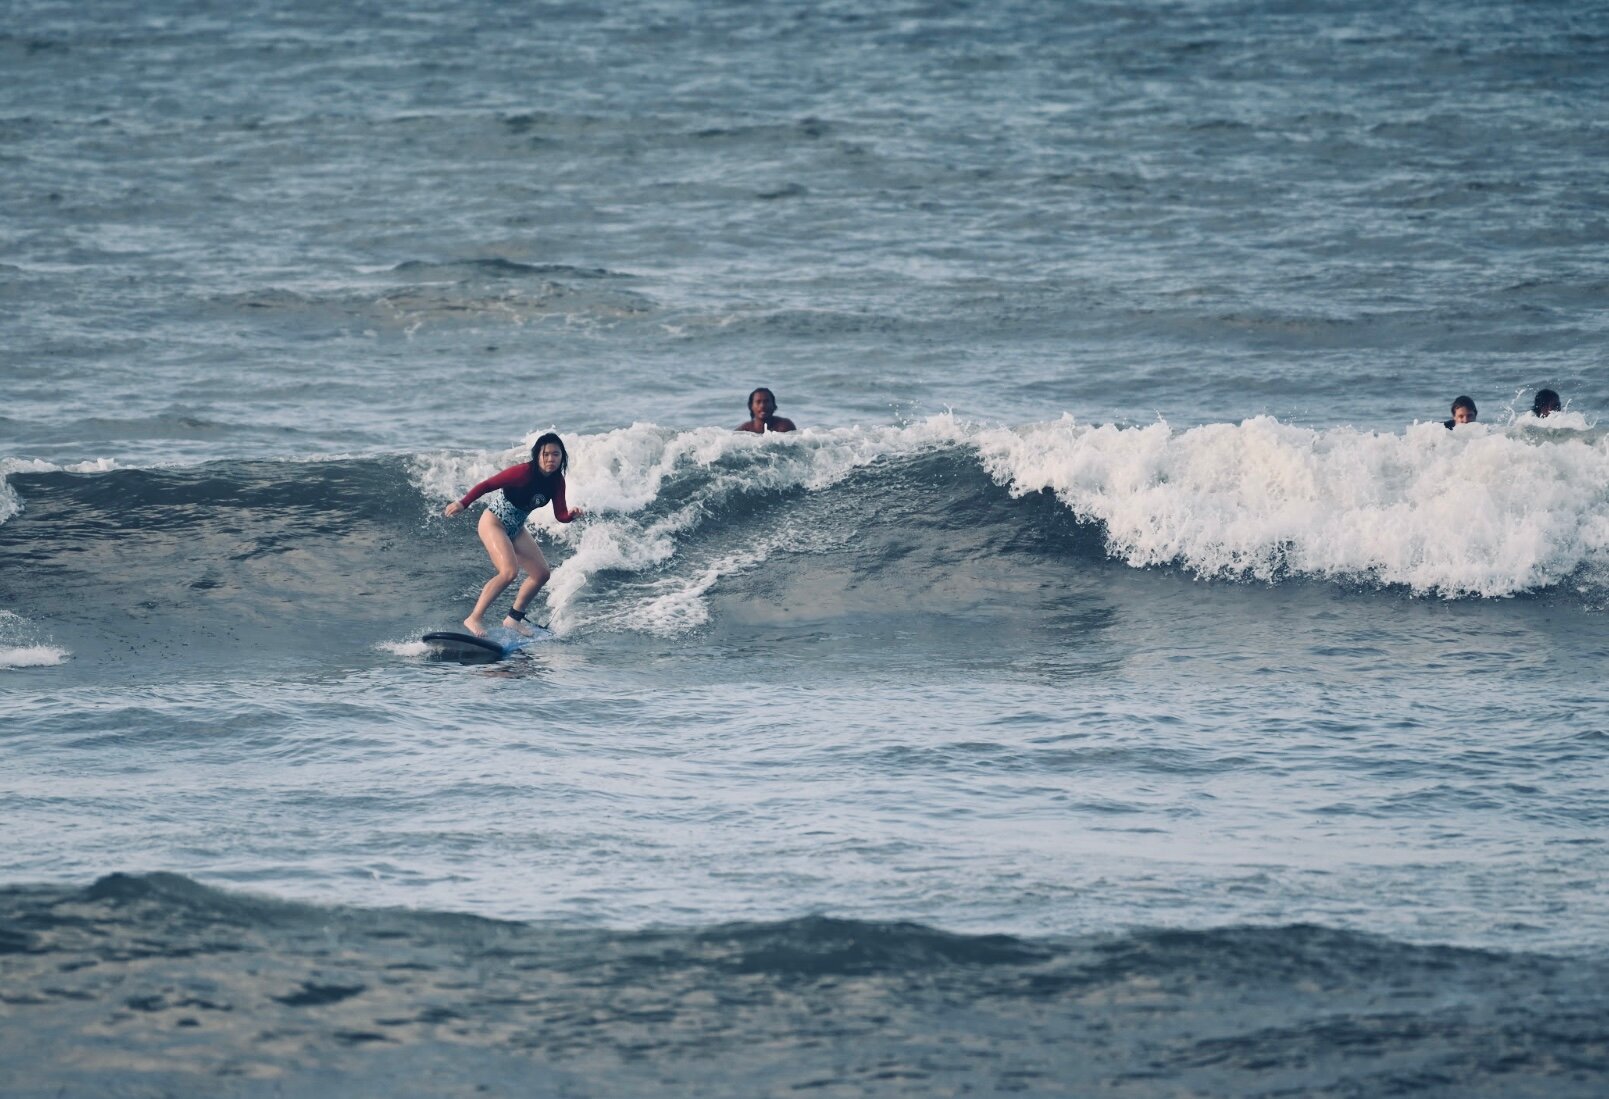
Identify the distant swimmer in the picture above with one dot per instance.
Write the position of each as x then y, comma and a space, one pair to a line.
763, 414
1546, 402
524, 488
1463, 413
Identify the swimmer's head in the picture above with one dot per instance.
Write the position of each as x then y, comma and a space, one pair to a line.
762, 403
1546, 401
1464, 411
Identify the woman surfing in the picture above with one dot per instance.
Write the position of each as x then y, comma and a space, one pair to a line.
523, 488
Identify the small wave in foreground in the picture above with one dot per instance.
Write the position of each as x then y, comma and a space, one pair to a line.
184, 982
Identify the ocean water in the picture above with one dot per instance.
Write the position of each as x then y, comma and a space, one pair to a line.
1121, 684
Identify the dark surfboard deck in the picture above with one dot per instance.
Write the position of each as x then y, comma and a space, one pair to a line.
467, 648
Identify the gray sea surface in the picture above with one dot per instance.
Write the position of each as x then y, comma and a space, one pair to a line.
1122, 683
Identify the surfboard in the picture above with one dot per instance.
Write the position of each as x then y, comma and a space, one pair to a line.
467, 648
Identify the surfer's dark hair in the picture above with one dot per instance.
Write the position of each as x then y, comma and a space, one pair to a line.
1465, 402
564, 455
1546, 401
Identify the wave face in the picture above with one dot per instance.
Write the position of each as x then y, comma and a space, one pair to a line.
249, 550
201, 992
218, 560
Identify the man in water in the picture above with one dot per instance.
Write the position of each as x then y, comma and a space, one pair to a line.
1546, 402
1463, 413
763, 414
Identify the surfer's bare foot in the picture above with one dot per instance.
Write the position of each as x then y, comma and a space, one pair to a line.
509, 623
475, 626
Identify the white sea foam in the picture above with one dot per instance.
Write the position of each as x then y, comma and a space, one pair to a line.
620, 473
1477, 511
20, 646
679, 604
32, 656
404, 648
617, 475
1557, 423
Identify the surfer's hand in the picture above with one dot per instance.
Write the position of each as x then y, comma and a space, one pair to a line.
453, 509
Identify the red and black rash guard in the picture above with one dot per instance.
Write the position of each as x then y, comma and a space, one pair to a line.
525, 488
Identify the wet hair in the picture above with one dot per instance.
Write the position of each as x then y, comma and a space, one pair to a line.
564, 455
1546, 401
749, 406
1466, 402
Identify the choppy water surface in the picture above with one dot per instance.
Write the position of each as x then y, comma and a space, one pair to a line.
1122, 684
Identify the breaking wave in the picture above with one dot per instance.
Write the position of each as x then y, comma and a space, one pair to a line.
351, 543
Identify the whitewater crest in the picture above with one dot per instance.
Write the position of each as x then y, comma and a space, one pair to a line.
11, 504
1483, 511
1487, 511
646, 488
20, 647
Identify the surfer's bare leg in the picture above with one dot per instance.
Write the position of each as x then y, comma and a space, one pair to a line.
501, 551
529, 556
